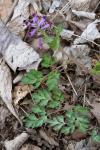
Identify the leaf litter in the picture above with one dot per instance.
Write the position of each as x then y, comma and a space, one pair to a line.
73, 58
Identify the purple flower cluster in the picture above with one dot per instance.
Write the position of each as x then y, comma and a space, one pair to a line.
35, 25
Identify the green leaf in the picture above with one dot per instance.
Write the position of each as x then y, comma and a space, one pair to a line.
40, 122
96, 69
57, 95
53, 104
53, 122
57, 122
54, 41
65, 130
52, 80
83, 127
55, 44
33, 77
47, 61
95, 136
39, 110
60, 118
58, 127
33, 122
41, 97
58, 29
81, 110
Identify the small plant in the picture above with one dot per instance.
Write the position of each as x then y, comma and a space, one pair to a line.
51, 97
73, 119
96, 69
39, 27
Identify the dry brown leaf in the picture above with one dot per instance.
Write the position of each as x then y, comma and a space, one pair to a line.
30, 147
21, 13
80, 4
17, 142
89, 15
17, 54
18, 78
5, 6
4, 113
67, 34
90, 33
20, 91
48, 138
6, 87
96, 111
79, 52
55, 4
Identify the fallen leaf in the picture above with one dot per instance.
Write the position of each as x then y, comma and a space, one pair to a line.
30, 147
77, 135
55, 4
80, 4
17, 142
46, 4
5, 6
96, 111
18, 78
17, 54
6, 87
20, 91
81, 145
89, 15
67, 34
21, 13
90, 33
48, 138
78, 52
4, 113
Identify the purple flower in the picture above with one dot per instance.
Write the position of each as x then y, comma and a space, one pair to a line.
34, 27
40, 43
32, 33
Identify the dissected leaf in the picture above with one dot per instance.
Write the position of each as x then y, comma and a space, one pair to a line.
32, 121
52, 80
33, 77
47, 61
39, 110
41, 97
57, 122
95, 137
